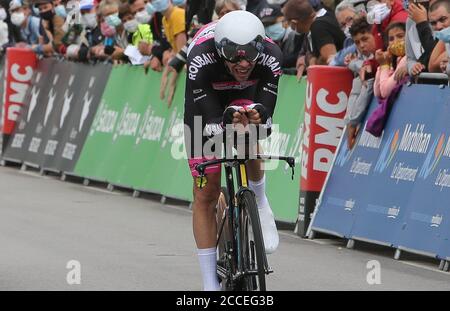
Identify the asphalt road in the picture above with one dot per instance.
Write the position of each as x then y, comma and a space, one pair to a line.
124, 243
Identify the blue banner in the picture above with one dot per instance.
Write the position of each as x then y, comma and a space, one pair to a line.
393, 190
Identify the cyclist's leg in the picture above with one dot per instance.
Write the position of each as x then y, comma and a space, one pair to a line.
257, 183
205, 226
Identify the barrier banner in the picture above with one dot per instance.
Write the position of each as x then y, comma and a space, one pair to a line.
327, 93
393, 190
74, 115
55, 122
19, 68
31, 119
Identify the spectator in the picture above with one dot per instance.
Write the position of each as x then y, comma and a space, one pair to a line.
439, 17
145, 14
133, 31
361, 92
3, 29
91, 38
391, 62
51, 28
29, 25
111, 26
289, 41
60, 9
324, 35
345, 15
225, 6
173, 23
419, 39
383, 13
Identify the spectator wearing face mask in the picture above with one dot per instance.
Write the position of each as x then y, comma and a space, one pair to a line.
289, 41
133, 32
51, 28
439, 18
60, 9
91, 35
4, 35
160, 49
173, 23
419, 37
345, 15
381, 14
29, 25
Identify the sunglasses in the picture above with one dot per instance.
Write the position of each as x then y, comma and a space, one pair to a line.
234, 53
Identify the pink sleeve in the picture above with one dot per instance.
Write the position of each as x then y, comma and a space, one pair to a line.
386, 79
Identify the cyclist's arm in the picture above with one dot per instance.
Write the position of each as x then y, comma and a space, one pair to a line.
203, 101
267, 89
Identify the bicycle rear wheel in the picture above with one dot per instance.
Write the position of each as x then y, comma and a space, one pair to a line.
253, 251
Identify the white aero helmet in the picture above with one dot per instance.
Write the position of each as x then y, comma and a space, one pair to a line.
239, 34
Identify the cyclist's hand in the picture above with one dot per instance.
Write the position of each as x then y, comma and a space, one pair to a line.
239, 117
253, 116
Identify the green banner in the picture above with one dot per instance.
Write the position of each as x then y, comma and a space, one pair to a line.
137, 141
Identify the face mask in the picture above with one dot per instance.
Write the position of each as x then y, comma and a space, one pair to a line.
89, 20
160, 5
397, 48
276, 31
17, 18
107, 31
143, 17
443, 35
131, 26
179, 2
35, 11
60, 10
150, 9
113, 20
2, 14
48, 15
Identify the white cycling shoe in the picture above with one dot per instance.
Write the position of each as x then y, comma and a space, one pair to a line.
269, 229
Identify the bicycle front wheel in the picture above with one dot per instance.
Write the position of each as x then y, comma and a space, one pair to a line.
253, 253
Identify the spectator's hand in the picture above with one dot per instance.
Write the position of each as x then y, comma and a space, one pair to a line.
362, 73
417, 13
352, 132
300, 66
443, 65
145, 48
400, 73
330, 59
383, 58
348, 58
417, 69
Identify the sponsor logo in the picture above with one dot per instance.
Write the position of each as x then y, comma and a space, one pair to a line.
443, 179
359, 167
349, 205
151, 127
436, 221
199, 62
233, 85
271, 62
415, 141
433, 157
50, 148
393, 212
86, 105
405, 173
388, 152
67, 101
34, 96
51, 100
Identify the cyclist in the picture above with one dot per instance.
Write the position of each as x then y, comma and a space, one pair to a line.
230, 63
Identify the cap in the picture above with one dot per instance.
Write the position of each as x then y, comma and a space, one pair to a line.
269, 14
86, 4
15, 4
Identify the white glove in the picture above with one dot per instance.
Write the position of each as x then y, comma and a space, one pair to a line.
378, 13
